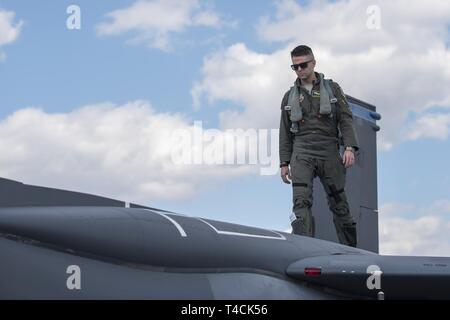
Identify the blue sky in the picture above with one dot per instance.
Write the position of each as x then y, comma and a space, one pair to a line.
57, 70
50, 60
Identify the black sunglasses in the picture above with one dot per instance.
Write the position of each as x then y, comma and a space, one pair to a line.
302, 65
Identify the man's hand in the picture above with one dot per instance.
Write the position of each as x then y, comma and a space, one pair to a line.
348, 159
285, 174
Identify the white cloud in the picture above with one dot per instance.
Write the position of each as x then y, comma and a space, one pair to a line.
9, 30
207, 19
123, 152
436, 126
154, 21
403, 67
415, 230
248, 79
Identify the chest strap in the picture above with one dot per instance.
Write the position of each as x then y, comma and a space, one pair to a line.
326, 99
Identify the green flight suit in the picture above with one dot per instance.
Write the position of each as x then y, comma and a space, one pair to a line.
314, 151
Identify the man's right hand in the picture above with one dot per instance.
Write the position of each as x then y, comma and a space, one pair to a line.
285, 174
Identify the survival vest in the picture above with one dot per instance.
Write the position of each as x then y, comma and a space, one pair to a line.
327, 98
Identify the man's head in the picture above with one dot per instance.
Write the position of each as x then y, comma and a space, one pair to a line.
303, 61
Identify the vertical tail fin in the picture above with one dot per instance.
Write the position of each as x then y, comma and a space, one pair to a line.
361, 183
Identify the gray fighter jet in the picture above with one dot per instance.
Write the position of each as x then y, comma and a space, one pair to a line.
57, 244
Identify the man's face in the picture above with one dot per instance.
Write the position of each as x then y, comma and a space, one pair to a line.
304, 73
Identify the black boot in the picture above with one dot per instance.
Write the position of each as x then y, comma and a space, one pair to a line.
299, 227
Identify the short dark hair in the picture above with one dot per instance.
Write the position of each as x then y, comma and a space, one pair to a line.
301, 51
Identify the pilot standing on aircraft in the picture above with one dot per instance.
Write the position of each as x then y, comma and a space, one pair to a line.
312, 113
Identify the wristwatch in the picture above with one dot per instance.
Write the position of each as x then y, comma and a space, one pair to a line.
284, 164
350, 149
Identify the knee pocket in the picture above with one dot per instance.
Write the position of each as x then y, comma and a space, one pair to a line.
345, 223
302, 203
336, 196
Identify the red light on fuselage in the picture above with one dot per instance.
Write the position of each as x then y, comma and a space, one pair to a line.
313, 272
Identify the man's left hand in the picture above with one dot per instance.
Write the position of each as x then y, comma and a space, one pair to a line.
348, 159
